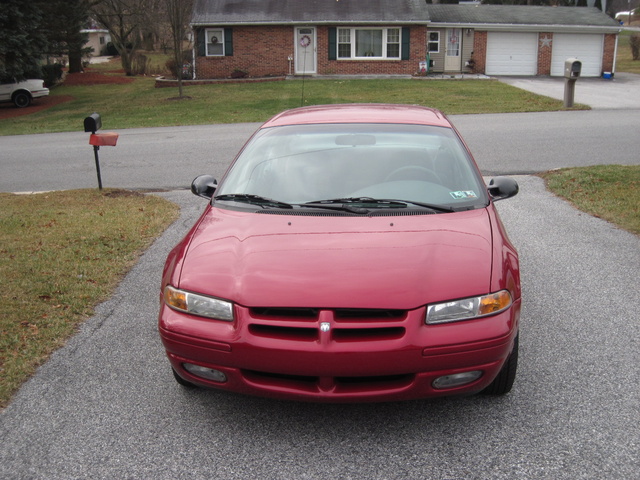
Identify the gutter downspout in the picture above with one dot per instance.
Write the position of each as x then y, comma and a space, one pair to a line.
194, 52
615, 54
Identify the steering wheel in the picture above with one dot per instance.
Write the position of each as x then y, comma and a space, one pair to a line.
414, 172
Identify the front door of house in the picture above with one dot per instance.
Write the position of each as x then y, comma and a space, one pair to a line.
452, 56
305, 50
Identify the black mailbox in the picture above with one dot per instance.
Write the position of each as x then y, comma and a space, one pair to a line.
572, 68
92, 123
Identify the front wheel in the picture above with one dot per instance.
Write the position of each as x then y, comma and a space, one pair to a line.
22, 99
504, 381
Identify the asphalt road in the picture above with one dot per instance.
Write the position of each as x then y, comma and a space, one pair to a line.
169, 158
106, 405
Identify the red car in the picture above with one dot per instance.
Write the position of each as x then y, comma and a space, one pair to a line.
350, 253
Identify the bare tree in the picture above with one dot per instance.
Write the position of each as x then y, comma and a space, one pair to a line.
124, 19
178, 14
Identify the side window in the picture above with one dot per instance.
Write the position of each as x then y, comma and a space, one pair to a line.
434, 42
393, 43
344, 43
215, 41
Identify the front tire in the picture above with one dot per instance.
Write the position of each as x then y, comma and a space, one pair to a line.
182, 381
502, 384
21, 99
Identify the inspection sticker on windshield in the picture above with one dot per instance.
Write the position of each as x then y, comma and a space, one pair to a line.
461, 195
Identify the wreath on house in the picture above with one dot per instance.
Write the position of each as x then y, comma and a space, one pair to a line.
305, 41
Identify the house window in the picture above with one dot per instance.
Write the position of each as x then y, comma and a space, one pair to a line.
215, 41
434, 42
344, 43
366, 43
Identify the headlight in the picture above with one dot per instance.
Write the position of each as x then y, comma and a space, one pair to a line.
198, 304
468, 308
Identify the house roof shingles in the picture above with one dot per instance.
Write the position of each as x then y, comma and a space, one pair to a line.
264, 12
256, 12
519, 15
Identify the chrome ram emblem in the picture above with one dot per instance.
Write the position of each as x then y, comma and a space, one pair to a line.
325, 326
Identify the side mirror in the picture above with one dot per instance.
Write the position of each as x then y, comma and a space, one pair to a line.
204, 186
502, 187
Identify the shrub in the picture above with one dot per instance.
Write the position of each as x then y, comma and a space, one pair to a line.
634, 43
140, 64
237, 73
111, 50
52, 73
186, 68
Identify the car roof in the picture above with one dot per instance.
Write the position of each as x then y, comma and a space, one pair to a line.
360, 113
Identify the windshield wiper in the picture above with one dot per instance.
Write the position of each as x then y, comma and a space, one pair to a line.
430, 206
337, 204
381, 203
254, 200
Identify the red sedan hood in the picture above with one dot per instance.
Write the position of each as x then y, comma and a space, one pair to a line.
398, 262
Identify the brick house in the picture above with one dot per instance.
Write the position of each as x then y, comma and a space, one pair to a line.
260, 38
520, 40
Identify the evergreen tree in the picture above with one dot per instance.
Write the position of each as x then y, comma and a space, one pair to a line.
63, 22
22, 40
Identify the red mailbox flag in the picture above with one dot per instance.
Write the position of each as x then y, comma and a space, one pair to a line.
103, 139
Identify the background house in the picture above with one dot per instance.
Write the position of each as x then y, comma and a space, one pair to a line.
520, 40
283, 37
97, 39
260, 38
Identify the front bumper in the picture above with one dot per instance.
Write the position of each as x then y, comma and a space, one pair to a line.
366, 356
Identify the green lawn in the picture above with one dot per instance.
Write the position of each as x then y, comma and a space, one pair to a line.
61, 253
139, 104
624, 59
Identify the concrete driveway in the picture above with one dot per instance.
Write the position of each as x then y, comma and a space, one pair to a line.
620, 92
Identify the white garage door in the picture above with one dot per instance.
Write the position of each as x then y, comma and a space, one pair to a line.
585, 47
512, 53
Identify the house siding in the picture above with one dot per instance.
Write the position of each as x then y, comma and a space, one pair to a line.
479, 51
259, 52
544, 53
264, 51
608, 54
468, 44
417, 54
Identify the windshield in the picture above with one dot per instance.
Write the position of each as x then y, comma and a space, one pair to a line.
313, 163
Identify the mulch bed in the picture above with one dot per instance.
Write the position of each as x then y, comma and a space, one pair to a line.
8, 110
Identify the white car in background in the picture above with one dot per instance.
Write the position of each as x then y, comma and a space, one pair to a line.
22, 93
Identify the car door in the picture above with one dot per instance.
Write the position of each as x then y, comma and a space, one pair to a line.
5, 92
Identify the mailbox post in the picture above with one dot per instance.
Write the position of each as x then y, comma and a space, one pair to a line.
92, 124
572, 69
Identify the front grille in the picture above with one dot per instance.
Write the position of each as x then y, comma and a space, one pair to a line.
344, 324
294, 313
368, 314
285, 313
284, 333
